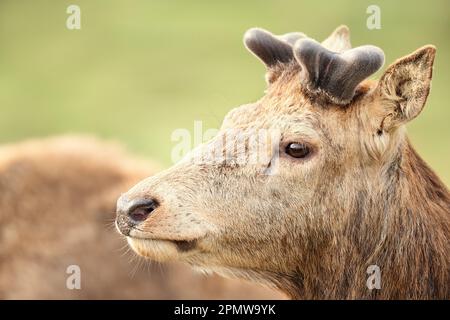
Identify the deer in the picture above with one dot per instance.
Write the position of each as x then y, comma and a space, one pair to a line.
349, 190
57, 207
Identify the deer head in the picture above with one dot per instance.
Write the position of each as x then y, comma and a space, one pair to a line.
339, 142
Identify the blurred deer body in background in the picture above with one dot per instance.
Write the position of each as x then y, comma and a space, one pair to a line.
57, 201
349, 192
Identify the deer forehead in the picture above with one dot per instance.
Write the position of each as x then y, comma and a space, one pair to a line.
287, 108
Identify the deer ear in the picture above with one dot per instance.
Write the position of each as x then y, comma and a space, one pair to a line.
339, 40
405, 85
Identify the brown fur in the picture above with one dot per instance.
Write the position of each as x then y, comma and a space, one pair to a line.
57, 199
362, 196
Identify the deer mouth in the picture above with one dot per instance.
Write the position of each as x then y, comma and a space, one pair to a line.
162, 250
185, 245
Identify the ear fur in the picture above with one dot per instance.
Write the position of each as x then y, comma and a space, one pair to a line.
405, 85
339, 40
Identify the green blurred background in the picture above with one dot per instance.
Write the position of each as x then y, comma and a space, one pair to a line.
137, 70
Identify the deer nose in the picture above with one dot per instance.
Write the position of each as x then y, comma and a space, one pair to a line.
139, 210
133, 212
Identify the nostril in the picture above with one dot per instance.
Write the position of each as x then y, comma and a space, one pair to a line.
140, 210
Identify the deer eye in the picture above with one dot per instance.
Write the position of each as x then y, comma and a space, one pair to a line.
297, 150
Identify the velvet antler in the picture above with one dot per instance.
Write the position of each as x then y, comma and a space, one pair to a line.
271, 49
335, 74
331, 68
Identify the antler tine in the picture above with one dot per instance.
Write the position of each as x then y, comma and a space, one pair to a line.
269, 48
339, 40
336, 74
